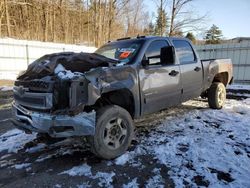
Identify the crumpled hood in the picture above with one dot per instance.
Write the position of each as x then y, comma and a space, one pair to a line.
75, 62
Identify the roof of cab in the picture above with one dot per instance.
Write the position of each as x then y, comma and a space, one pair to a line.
146, 38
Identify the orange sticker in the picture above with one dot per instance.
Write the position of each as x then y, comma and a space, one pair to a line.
125, 54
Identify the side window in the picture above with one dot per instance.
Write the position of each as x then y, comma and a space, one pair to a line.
153, 52
184, 51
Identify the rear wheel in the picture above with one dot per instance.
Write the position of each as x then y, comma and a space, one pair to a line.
216, 95
114, 132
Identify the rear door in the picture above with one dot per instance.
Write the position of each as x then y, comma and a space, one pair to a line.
159, 84
191, 69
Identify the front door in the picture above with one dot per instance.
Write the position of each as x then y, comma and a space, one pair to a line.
159, 84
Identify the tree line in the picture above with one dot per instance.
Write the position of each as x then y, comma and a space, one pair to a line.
94, 21
72, 21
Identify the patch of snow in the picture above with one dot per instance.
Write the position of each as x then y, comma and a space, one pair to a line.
190, 152
57, 186
43, 158
105, 179
62, 73
37, 148
5, 163
109, 163
28, 169
202, 143
123, 159
132, 184
129, 157
21, 166
238, 86
82, 170
156, 180
6, 88
239, 94
59, 68
83, 185
14, 140
5, 156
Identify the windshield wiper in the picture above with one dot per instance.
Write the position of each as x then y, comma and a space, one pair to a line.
115, 61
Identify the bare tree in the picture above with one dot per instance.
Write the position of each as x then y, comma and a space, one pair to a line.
71, 21
183, 18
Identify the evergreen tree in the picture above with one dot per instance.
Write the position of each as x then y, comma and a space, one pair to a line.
150, 29
213, 35
161, 23
191, 37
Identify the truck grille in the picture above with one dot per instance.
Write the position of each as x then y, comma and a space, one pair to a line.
42, 101
36, 85
30, 100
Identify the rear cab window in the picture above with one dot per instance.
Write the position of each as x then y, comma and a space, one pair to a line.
185, 52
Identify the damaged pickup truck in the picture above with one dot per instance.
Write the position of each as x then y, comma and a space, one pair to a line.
99, 94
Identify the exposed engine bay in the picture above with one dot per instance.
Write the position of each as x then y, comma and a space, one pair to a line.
51, 81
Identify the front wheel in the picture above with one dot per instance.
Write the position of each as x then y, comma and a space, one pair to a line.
114, 132
216, 95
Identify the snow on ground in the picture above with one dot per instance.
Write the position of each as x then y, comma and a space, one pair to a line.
14, 140
105, 179
22, 166
211, 145
39, 147
199, 147
132, 184
6, 88
238, 86
156, 180
82, 170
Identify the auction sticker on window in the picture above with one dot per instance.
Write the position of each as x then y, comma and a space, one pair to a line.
125, 52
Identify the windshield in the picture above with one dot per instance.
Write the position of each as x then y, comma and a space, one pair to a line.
123, 51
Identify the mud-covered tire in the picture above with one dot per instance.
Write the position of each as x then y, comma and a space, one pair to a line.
216, 95
114, 132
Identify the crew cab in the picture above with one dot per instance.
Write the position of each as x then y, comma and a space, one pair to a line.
99, 94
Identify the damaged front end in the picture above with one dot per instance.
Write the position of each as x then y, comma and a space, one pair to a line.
50, 97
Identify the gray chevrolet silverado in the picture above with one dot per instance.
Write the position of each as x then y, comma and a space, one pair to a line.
98, 95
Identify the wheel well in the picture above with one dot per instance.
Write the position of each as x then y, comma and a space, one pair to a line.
221, 77
122, 98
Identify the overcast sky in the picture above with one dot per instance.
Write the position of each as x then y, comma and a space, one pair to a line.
231, 16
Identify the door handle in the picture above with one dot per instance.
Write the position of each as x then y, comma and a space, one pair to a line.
173, 73
197, 69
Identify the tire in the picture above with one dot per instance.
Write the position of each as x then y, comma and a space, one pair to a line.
114, 132
216, 95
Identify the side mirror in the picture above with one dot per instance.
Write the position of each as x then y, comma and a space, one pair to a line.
168, 55
145, 62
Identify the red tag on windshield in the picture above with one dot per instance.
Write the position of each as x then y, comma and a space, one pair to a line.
124, 55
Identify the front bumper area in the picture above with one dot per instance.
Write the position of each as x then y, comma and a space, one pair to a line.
54, 125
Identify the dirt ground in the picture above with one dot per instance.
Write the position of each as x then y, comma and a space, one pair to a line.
6, 83
45, 171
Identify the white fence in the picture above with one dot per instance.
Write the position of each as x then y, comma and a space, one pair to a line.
15, 55
239, 53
